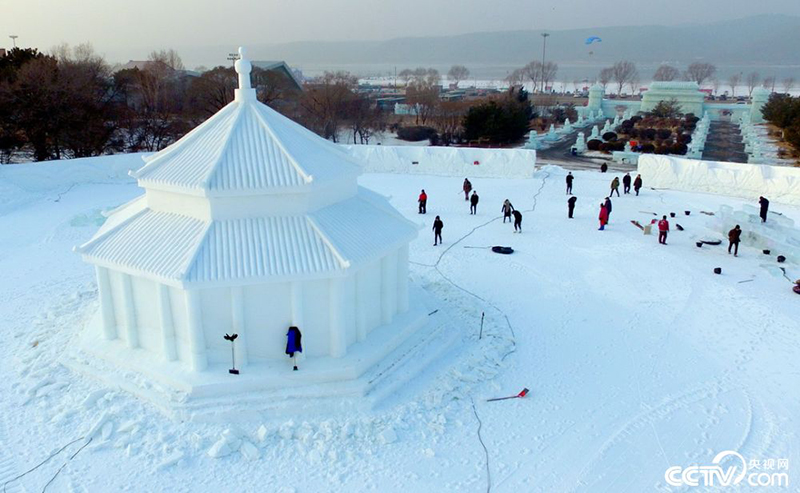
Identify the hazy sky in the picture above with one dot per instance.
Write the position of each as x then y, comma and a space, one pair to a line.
128, 29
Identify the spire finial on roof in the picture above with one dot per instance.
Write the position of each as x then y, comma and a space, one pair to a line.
243, 68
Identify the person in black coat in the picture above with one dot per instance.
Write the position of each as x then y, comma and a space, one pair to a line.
473, 203
637, 184
626, 183
571, 205
517, 221
437, 231
570, 178
607, 205
764, 203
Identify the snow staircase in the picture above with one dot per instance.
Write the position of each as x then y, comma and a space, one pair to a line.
434, 341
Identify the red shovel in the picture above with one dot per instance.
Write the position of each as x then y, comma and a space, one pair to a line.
518, 396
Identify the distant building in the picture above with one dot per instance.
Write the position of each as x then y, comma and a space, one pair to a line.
280, 66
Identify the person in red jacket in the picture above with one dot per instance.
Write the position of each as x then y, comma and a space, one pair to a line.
663, 229
423, 202
603, 216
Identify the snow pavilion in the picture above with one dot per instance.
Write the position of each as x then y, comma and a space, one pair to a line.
249, 224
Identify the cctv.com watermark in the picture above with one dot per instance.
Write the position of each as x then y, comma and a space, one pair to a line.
729, 468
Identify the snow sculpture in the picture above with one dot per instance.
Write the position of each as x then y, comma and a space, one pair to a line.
533, 142
607, 127
249, 224
552, 135
759, 99
595, 133
580, 144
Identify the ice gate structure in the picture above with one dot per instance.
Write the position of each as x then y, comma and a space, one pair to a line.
250, 224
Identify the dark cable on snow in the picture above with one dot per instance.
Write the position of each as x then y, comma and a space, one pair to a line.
37, 466
485, 450
65, 464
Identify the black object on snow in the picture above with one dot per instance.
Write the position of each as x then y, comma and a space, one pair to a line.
232, 337
502, 250
781, 259
671, 214
717, 270
680, 228
711, 242
687, 212
766, 252
699, 244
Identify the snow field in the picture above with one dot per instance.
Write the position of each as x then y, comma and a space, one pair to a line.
636, 355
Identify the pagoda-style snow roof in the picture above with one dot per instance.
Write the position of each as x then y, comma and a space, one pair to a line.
246, 148
180, 250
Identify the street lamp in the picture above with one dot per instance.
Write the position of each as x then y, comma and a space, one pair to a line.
544, 50
13, 39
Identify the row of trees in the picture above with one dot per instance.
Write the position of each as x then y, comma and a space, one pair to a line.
783, 111
539, 74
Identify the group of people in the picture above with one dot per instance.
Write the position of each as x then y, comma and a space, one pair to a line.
472, 197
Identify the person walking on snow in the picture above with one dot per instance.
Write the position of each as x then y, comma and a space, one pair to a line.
764, 203
571, 205
734, 236
423, 202
603, 216
473, 203
517, 221
507, 209
663, 229
570, 178
608, 206
637, 184
467, 189
626, 183
614, 187
437, 231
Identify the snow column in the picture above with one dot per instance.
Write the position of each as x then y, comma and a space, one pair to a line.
167, 326
198, 360
129, 312
388, 287
337, 322
362, 297
106, 303
237, 319
402, 280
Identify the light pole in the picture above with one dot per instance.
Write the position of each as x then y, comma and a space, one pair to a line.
544, 51
14, 39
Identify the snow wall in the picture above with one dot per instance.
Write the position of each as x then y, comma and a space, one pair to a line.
22, 182
469, 162
777, 183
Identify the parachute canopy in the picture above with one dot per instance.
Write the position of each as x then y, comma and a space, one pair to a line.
593, 39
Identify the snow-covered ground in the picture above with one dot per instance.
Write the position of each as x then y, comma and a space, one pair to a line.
636, 355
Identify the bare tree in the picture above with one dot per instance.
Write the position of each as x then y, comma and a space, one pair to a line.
325, 101
457, 73
623, 73
752, 82
424, 98
448, 119
788, 84
516, 77
533, 72
733, 81
769, 83
549, 71
605, 76
365, 119
213, 90
666, 73
169, 57
700, 72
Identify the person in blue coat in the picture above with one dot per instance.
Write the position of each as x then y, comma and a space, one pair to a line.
294, 344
